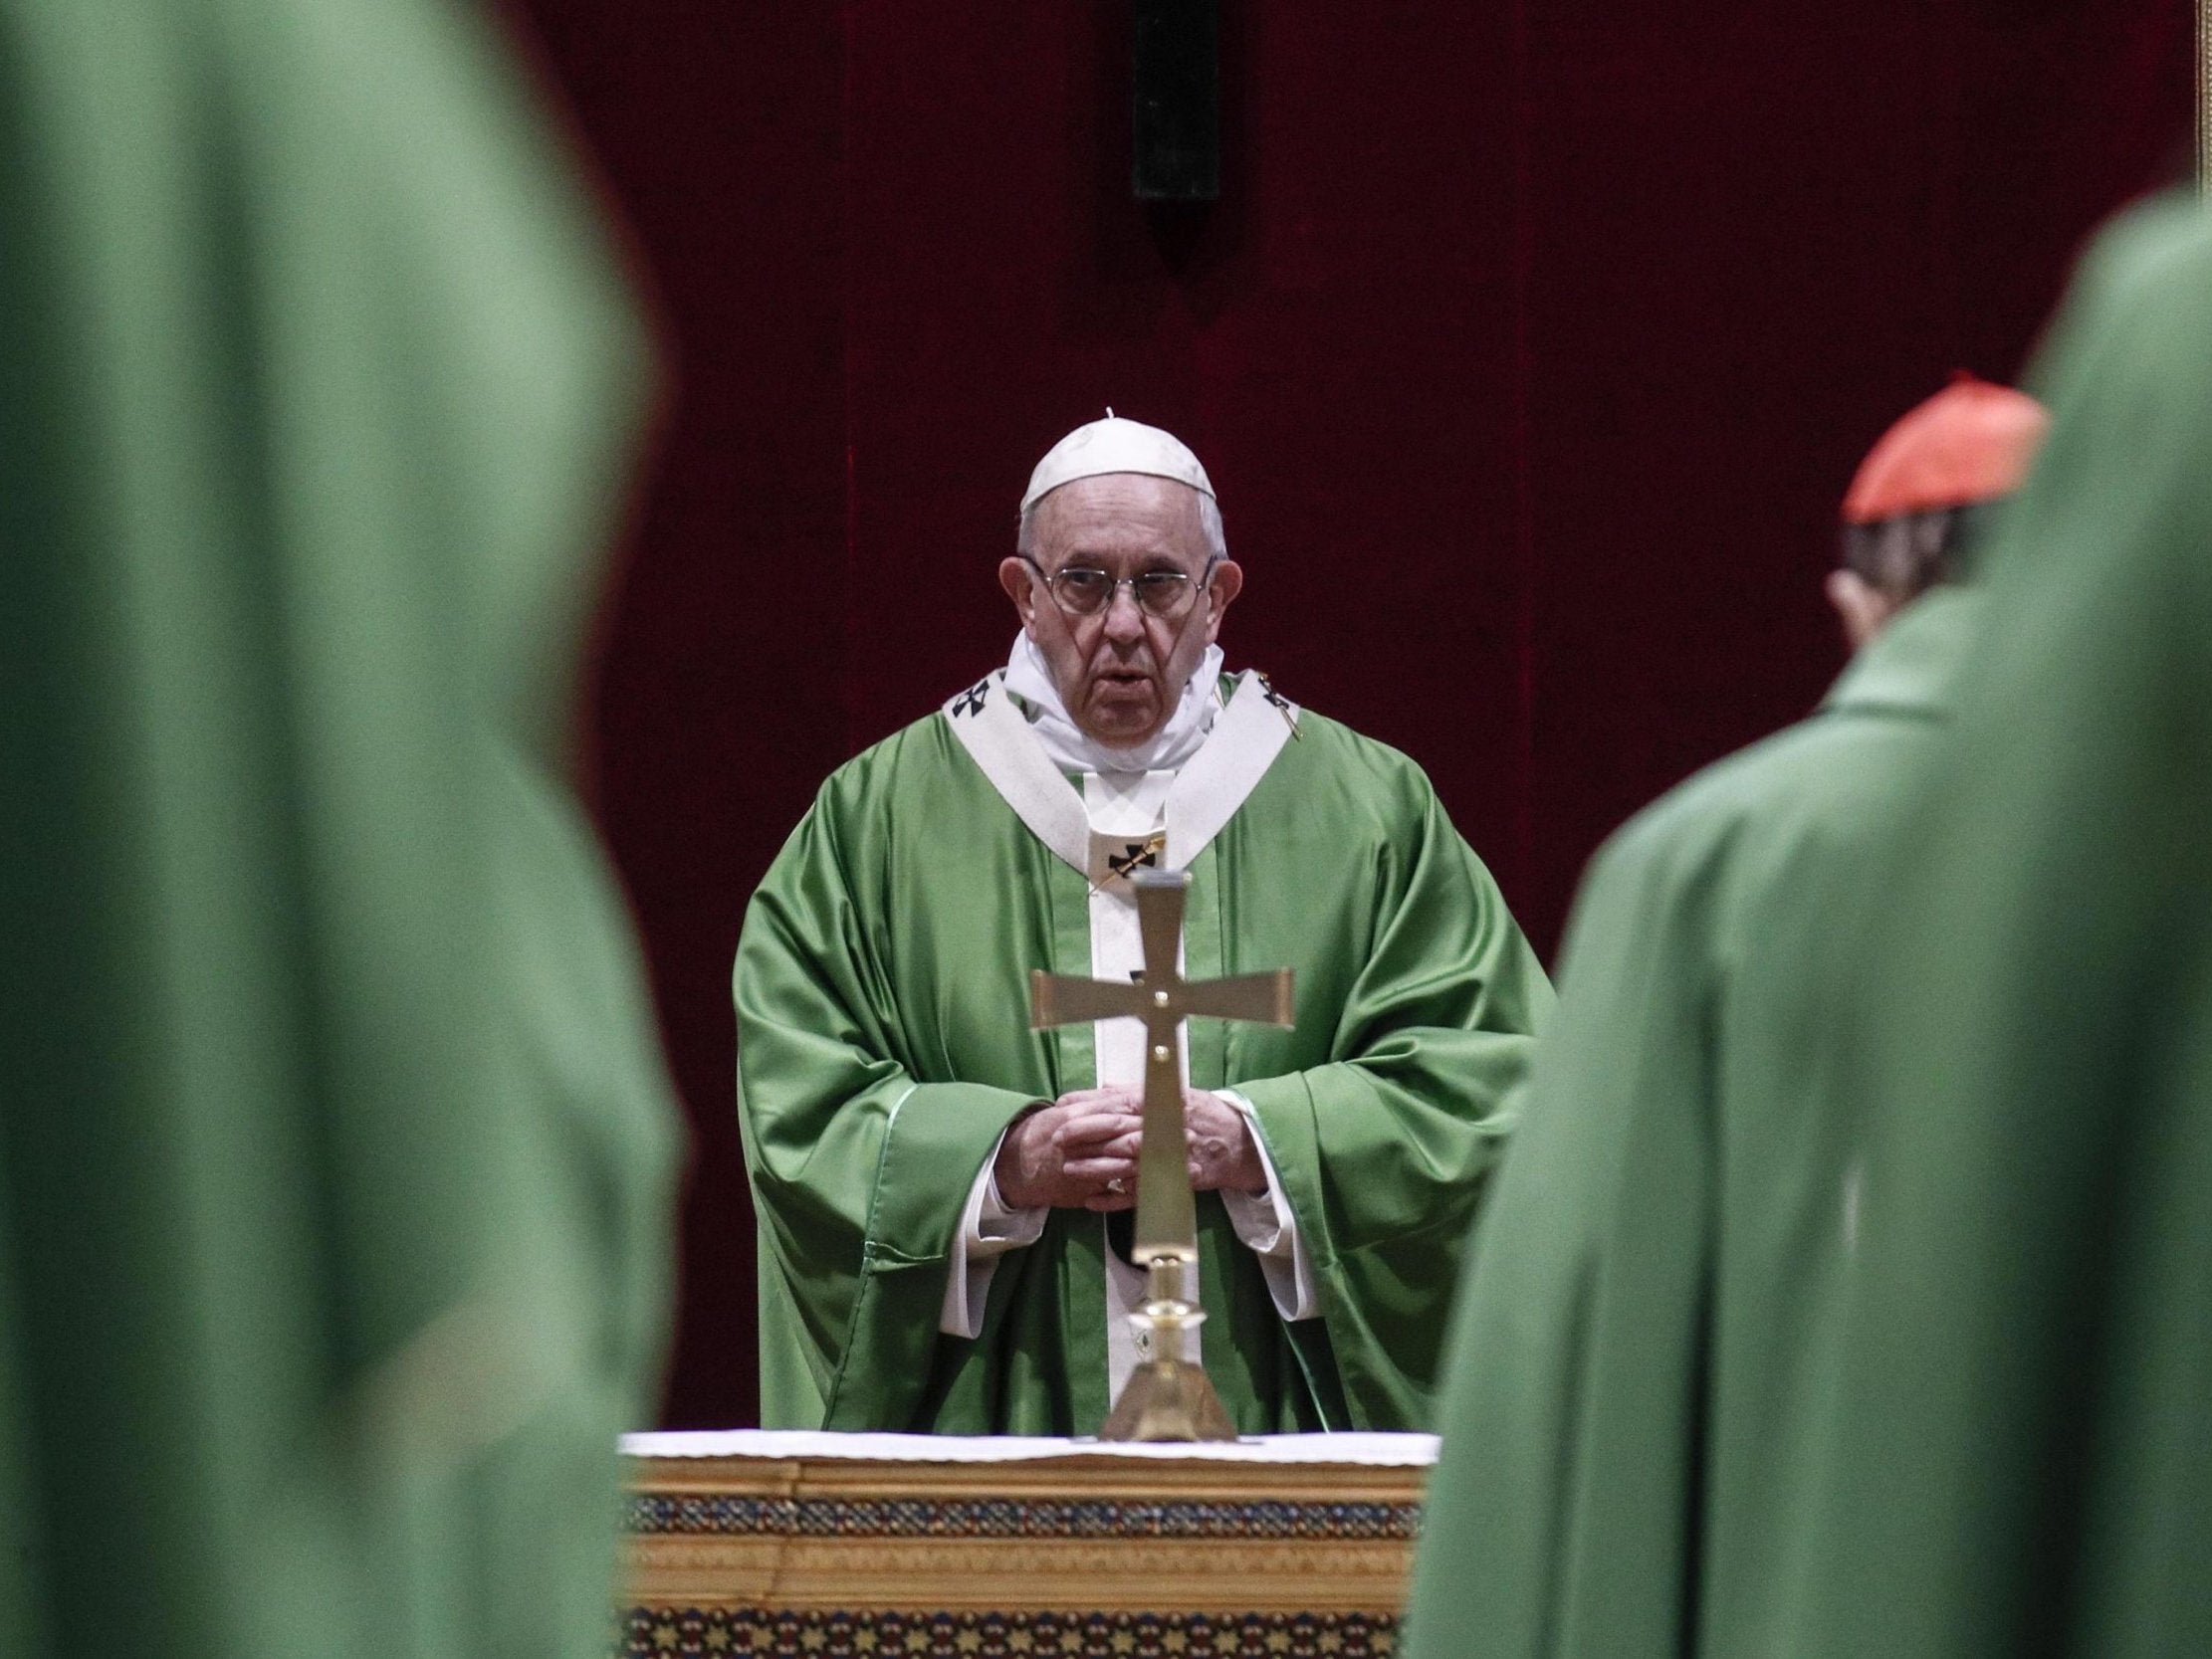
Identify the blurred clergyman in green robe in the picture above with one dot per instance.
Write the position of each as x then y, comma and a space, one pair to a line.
2021, 1453
1629, 1386
943, 1193
334, 1158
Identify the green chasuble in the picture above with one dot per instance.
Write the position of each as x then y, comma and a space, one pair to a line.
335, 1157
1627, 1390
882, 1003
2021, 1459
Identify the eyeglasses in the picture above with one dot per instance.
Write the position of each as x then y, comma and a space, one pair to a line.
1082, 592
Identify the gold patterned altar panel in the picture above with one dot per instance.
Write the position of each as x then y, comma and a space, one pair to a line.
1064, 1556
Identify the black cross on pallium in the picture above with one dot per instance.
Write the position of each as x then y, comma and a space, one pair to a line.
1136, 855
971, 701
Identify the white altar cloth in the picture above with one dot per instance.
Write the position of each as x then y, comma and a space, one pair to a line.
1398, 1451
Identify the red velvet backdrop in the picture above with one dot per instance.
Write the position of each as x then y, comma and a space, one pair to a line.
1530, 347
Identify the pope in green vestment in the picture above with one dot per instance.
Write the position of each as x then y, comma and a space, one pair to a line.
884, 1051
334, 1164
1644, 1328
2020, 1458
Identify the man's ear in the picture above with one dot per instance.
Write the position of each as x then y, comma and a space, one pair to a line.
1228, 582
1863, 608
1013, 577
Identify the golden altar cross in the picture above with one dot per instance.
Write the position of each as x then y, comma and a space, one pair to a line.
1167, 1397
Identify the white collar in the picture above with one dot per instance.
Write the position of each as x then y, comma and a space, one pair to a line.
1203, 795
1073, 751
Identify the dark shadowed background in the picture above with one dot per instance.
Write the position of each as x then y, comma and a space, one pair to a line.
1530, 347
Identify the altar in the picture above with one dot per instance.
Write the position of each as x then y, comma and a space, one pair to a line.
758, 1543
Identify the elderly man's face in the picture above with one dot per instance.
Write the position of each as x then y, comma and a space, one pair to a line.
1121, 670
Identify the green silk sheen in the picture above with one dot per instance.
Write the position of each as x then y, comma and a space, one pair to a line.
335, 1158
882, 997
1639, 1348
2021, 1452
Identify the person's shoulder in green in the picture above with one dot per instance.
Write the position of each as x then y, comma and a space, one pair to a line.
2018, 1452
1631, 1354
871, 794
1738, 837
1376, 799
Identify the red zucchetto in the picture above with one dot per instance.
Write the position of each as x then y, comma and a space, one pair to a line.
1971, 442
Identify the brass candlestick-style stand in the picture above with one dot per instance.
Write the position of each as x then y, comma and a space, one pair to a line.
1167, 1397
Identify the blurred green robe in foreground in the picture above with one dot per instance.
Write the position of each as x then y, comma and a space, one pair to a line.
2022, 1453
334, 1158
1625, 1397
882, 996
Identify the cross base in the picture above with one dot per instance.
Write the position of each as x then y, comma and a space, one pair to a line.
1167, 1399
1167, 1396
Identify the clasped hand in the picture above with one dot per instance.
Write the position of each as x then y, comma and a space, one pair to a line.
1081, 1152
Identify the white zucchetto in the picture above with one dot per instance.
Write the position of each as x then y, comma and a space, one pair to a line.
1114, 445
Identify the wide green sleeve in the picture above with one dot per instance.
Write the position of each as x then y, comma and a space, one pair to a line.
860, 1160
1383, 1148
1559, 1515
